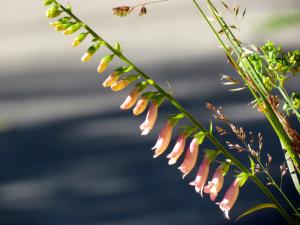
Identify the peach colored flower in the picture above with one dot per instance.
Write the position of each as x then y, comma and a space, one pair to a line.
149, 122
201, 177
190, 158
140, 106
178, 149
131, 99
111, 79
163, 139
215, 185
230, 197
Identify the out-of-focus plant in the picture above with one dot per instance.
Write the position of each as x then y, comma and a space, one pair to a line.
263, 71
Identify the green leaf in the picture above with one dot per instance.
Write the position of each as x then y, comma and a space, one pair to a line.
256, 208
243, 178
118, 47
200, 137
252, 165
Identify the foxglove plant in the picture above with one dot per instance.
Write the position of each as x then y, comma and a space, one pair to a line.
259, 83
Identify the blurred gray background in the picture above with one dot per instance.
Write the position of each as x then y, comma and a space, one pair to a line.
69, 156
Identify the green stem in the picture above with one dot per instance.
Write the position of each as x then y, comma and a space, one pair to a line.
289, 102
212, 139
276, 185
269, 113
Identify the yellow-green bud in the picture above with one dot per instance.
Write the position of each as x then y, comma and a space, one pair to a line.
48, 2
90, 52
72, 29
53, 11
80, 38
104, 63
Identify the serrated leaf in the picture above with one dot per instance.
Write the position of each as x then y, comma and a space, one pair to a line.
256, 208
252, 164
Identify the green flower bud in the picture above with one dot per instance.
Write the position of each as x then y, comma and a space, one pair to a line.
104, 63
53, 11
48, 2
80, 38
72, 29
90, 52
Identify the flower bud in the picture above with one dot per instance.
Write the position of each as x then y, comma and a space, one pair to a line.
111, 79
80, 38
121, 84
131, 99
90, 52
104, 63
140, 106
53, 11
48, 2
72, 29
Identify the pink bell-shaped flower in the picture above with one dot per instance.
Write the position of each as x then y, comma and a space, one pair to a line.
178, 149
215, 185
131, 99
163, 139
150, 120
190, 158
201, 177
230, 197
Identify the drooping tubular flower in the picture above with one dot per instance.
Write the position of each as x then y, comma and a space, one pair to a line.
178, 149
191, 154
216, 184
163, 139
131, 99
150, 120
190, 158
230, 197
201, 177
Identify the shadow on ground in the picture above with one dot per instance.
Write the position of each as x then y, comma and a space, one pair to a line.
96, 169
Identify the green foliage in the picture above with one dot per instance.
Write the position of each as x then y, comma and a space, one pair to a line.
256, 208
